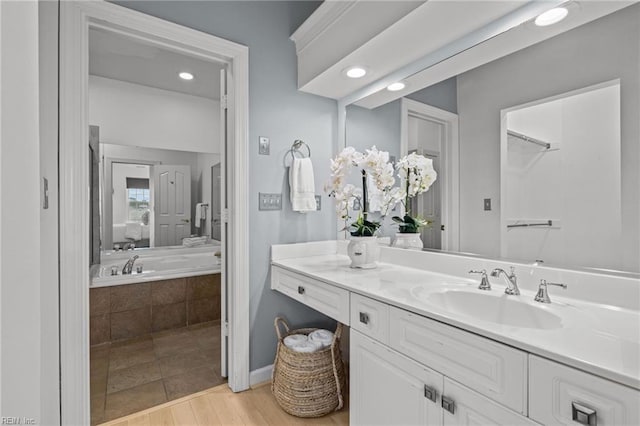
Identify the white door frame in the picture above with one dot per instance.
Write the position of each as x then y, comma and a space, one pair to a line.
449, 154
75, 20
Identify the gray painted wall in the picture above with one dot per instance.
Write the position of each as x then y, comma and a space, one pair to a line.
603, 50
279, 111
443, 95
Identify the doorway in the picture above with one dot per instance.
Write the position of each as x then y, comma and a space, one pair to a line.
433, 132
77, 19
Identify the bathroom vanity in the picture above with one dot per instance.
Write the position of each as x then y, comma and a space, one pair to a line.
428, 347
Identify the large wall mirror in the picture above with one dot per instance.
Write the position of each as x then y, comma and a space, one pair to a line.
537, 151
155, 145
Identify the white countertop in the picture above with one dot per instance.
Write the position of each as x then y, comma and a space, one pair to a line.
599, 339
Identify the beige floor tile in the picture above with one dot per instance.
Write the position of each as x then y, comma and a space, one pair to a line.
133, 376
181, 363
132, 400
97, 408
174, 345
128, 359
191, 382
100, 351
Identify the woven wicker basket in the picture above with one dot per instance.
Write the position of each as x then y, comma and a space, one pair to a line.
308, 384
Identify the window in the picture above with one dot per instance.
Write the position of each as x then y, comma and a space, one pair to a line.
137, 199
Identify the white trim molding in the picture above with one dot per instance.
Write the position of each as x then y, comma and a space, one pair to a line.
320, 21
261, 375
75, 20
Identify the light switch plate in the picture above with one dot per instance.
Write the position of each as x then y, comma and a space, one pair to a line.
487, 204
318, 202
264, 146
356, 204
269, 201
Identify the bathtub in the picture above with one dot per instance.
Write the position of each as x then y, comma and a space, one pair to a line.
161, 263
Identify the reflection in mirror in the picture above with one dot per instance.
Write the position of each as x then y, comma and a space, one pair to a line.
158, 147
579, 92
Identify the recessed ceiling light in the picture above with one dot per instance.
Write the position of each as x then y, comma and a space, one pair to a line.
551, 16
186, 75
394, 87
356, 72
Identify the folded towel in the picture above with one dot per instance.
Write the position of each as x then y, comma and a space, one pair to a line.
133, 230
194, 241
302, 185
201, 213
324, 338
306, 347
294, 339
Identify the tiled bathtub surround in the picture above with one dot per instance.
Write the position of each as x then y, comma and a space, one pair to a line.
135, 374
134, 310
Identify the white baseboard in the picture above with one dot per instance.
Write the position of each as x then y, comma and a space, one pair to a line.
260, 375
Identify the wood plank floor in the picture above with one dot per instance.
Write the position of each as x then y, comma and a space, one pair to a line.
220, 406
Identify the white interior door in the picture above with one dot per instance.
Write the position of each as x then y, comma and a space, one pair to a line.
224, 223
172, 204
428, 137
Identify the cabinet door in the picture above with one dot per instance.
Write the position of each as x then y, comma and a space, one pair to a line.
388, 388
467, 407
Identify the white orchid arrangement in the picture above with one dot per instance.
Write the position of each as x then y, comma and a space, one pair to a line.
378, 192
377, 186
418, 174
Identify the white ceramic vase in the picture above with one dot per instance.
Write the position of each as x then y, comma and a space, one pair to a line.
408, 241
364, 252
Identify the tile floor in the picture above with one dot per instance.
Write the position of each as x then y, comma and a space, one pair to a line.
140, 373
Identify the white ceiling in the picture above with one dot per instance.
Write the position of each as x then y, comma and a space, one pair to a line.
122, 58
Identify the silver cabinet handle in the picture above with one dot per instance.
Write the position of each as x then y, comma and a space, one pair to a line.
583, 414
448, 404
300, 289
364, 318
430, 393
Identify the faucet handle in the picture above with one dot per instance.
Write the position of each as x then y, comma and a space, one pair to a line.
543, 294
513, 270
484, 282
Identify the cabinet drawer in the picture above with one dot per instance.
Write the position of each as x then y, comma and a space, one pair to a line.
370, 317
555, 388
330, 300
471, 408
492, 369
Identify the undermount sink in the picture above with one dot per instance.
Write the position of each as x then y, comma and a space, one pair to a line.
499, 309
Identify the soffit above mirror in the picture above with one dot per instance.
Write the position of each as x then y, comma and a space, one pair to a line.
386, 37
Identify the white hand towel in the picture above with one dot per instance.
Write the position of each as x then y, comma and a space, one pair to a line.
324, 338
133, 230
302, 185
306, 347
294, 339
201, 214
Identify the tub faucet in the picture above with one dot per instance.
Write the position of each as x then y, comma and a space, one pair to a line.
128, 267
512, 280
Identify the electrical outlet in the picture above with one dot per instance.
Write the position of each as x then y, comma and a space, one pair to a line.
356, 204
318, 202
269, 201
487, 204
264, 146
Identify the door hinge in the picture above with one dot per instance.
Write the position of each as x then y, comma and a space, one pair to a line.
225, 215
225, 328
223, 101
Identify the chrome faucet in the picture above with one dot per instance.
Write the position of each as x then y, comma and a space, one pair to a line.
484, 281
128, 267
543, 295
512, 280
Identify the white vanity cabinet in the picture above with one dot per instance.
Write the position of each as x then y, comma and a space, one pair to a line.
388, 388
408, 368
